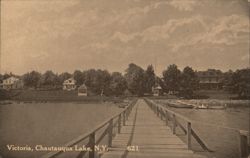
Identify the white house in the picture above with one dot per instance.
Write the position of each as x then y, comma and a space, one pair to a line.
69, 84
83, 90
12, 83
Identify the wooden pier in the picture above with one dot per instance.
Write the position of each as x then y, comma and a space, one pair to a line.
146, 136
143, 129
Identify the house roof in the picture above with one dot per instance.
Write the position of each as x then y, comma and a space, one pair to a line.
209, 73
12, 77
69, 81
157, 87
83, 86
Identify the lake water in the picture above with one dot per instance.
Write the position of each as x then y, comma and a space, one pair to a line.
218, 129
48, 124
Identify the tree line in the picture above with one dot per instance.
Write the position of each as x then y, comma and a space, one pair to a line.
136, 80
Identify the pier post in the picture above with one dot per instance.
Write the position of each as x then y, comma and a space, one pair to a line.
174, 124
126, 115
124, 118
166, 117
110, 134
158, 111
189, 134
161, 113
243, 145
119, 123
92, 145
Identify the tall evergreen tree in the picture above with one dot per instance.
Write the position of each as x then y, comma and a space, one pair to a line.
149, 79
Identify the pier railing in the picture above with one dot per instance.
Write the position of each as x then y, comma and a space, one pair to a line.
171, 119
171, 116
108, 128
244, 143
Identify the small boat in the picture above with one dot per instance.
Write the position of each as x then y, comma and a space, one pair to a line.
122, 105
202, 106
188, 104
180, 105
5, 103
210, 107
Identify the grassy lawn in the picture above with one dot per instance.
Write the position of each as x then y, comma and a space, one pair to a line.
58, 96
215, 94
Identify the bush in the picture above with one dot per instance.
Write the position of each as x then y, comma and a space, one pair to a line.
4, 94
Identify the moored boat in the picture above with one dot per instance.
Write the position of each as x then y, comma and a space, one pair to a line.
210, 107
180, 105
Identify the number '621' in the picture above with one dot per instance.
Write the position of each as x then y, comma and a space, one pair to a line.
133, 148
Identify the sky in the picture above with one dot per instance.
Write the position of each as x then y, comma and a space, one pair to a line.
65, 35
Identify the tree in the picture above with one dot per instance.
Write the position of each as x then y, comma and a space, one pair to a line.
5, 76
32, 79
149, 79
89, 78
79, 77
240, 82
98, 81
49, 79
64, 76
103, 81
1, 78
135, 79
171, 78
118, 84
189, 82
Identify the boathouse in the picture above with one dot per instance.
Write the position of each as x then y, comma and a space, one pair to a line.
157, 90
83, 90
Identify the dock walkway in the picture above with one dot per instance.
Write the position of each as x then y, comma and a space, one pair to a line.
149, 136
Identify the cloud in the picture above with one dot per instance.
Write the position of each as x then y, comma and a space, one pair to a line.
245, 57
124, 37
137, 12
20, 9
160, 32
227, 30
184, 5
90, 31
